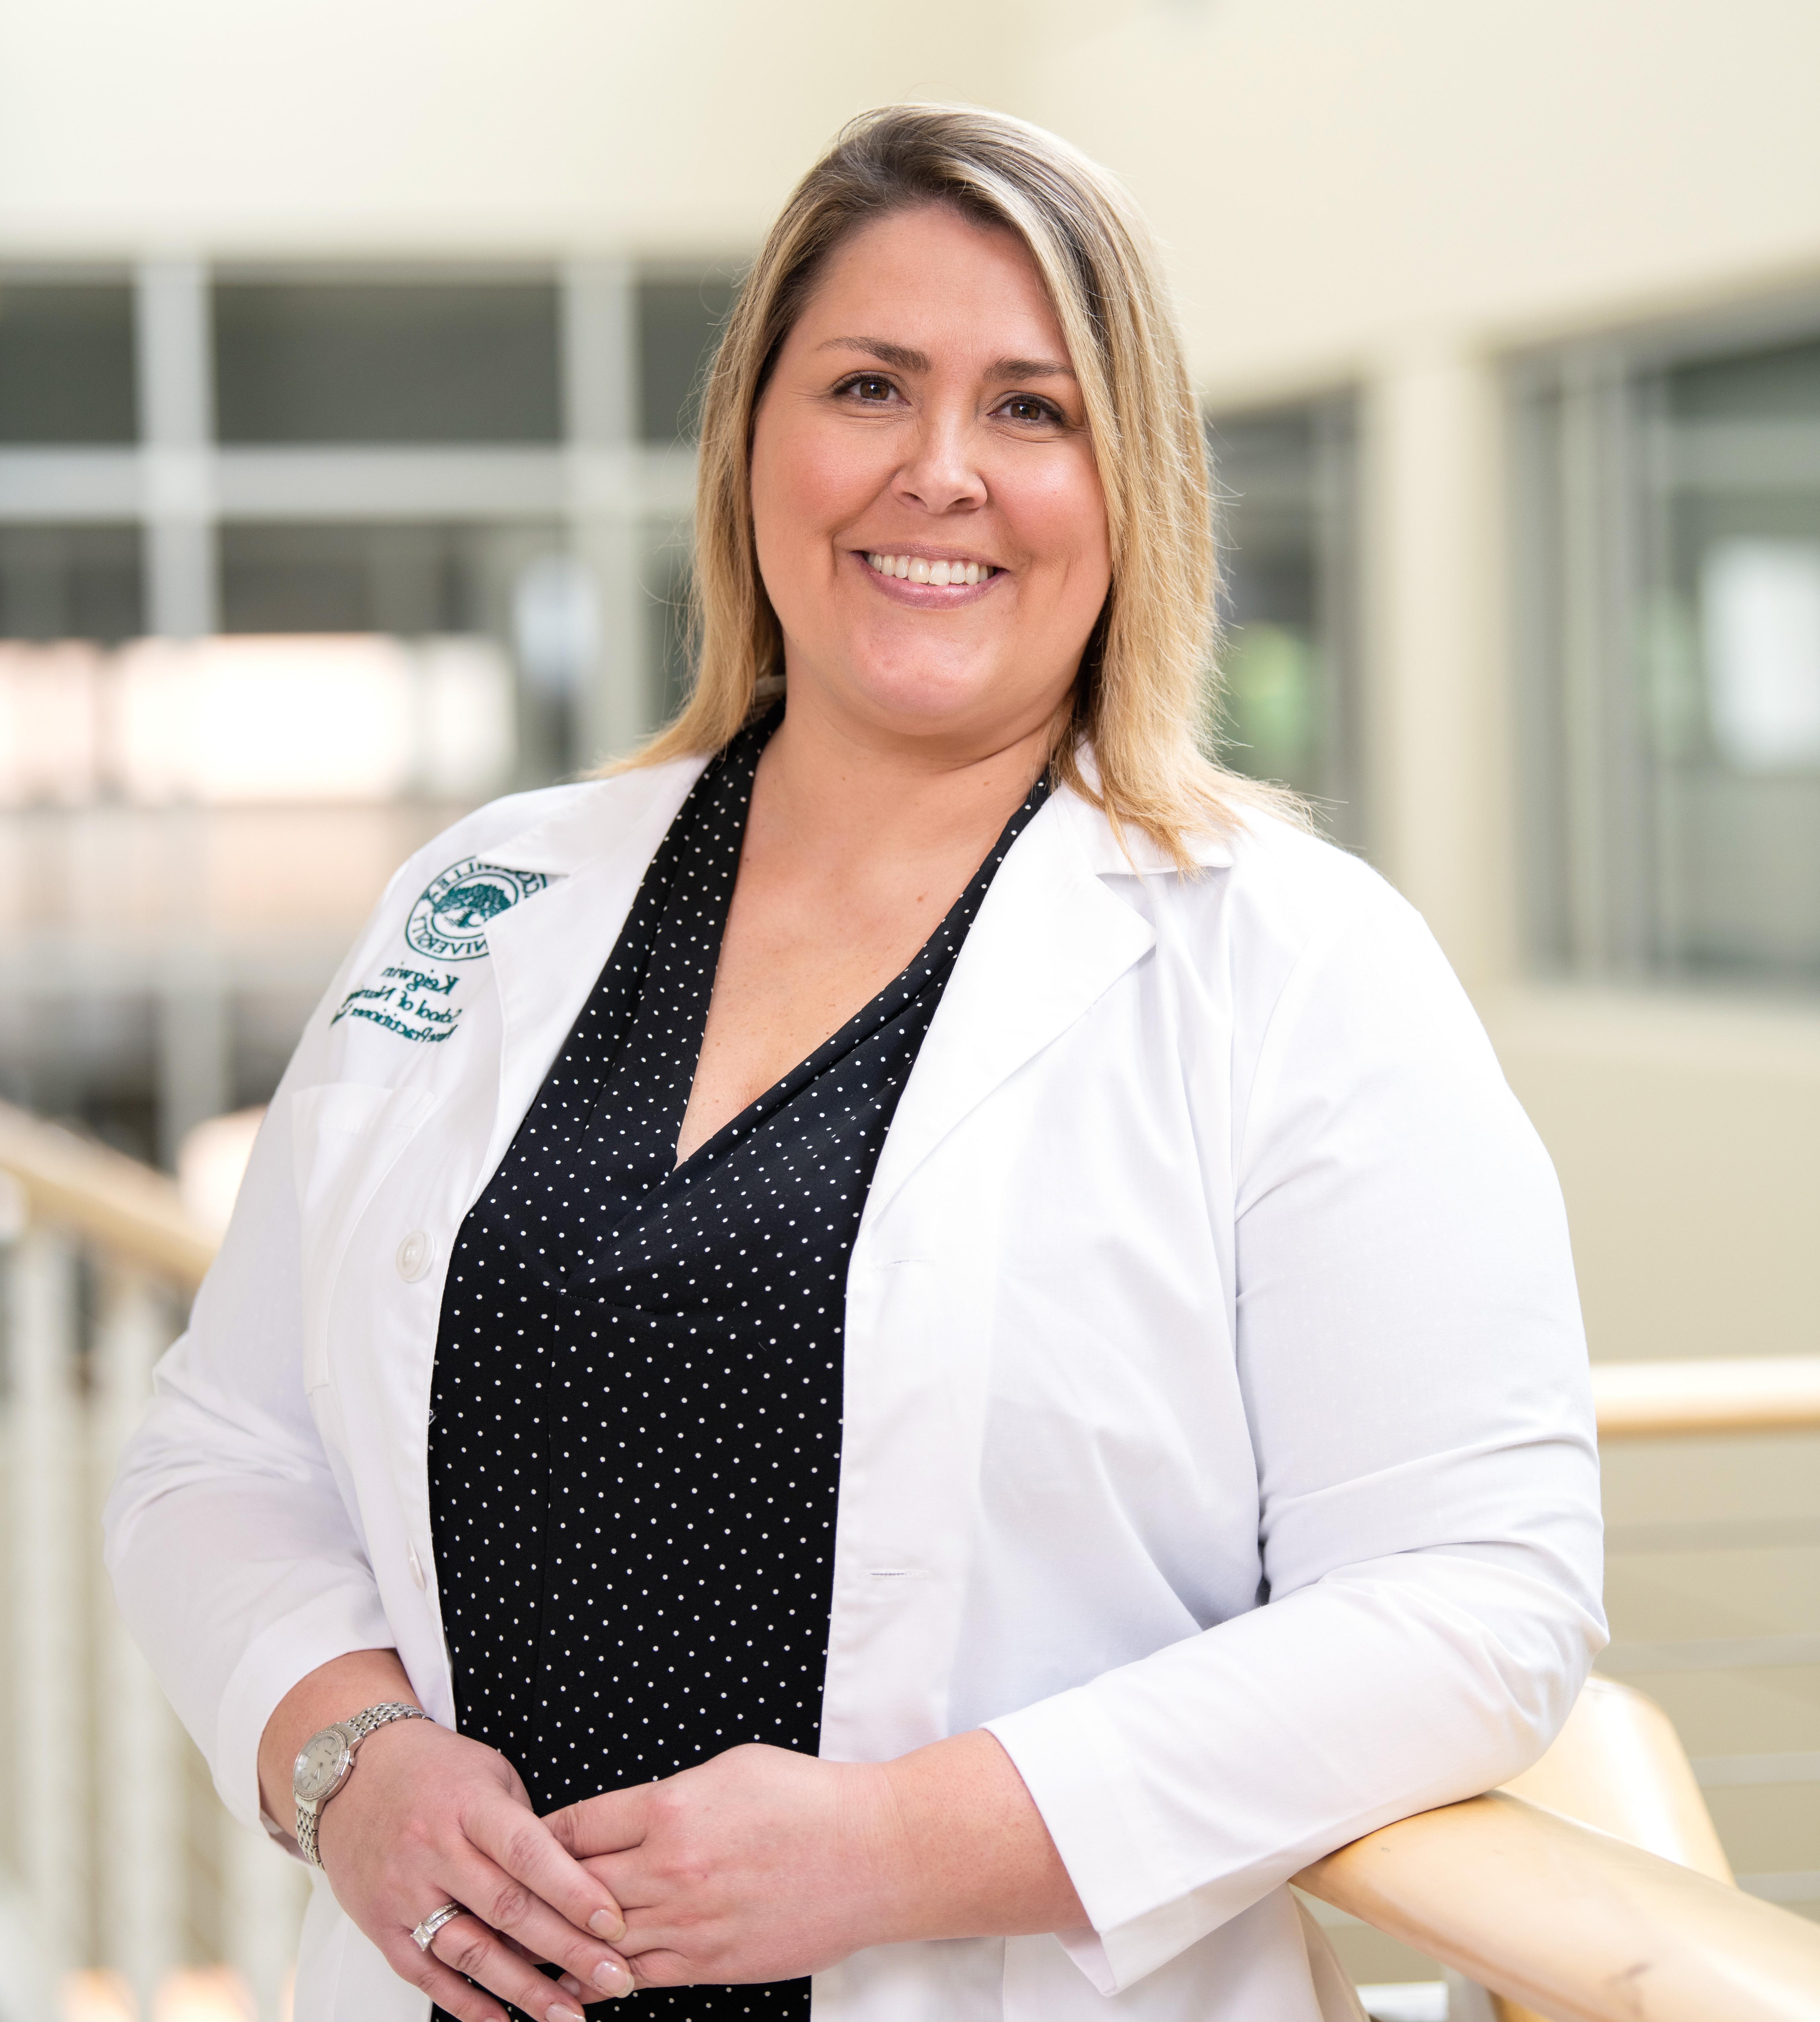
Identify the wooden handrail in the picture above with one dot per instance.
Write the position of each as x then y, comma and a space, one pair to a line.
1759, 1393
1572, 1921
115, 1201
1618, 1764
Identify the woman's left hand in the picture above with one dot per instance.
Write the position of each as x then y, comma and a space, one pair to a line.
761, 1864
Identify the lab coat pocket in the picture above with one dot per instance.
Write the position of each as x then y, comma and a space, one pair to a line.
347, 1136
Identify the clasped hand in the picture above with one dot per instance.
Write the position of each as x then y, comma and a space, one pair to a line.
762, 1865
758, 1865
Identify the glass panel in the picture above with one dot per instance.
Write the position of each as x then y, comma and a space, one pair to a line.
1672, 606
416, 581
411, 579
1730, 628
1286, 484
386, 361
86, 1057
71, 582
65, 363
667, 574
679, 323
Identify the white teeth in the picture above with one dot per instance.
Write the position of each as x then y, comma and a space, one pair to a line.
913, 568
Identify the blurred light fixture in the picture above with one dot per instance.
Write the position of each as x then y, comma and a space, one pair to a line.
252, 719
211, 1161
49, 723
97, 1995
1759, 605
313, 717
203, 1994
556, 625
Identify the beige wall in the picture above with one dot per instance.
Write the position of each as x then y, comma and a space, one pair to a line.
1393, 196
455, 124
1382, 192
1332, 175
1339, 178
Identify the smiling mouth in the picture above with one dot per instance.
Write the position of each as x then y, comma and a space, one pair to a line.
918, 568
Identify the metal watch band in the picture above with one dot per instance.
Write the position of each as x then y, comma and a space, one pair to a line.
306, 1816
363, 1724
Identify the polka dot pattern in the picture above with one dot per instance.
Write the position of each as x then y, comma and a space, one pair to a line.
635, 1426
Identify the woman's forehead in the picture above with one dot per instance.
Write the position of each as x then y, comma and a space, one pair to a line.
917, 280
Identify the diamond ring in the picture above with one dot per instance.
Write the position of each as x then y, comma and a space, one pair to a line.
433, 1923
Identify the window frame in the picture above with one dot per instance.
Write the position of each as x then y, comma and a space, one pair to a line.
1590, 494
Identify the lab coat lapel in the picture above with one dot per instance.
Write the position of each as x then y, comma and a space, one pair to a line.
1051, 938
548, 951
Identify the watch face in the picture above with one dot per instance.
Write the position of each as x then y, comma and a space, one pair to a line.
321, 1765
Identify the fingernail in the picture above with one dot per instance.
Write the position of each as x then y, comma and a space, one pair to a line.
607, 1924
556, 2012
613, 1978
569, 1984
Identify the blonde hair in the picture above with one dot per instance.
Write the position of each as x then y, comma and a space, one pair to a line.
1143, 698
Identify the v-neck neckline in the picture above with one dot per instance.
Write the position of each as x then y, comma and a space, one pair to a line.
909, 983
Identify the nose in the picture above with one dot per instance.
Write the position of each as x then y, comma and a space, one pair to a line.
941, 472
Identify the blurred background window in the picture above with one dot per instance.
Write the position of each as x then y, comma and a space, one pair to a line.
403, 582
667, 580
378, 361
66, 372
1671, 579
71, 583
680, 318
383, 576
1287, 481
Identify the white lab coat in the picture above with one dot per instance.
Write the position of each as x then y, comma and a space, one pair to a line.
1209, 1263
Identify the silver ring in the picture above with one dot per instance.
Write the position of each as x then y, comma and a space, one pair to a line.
433, 1923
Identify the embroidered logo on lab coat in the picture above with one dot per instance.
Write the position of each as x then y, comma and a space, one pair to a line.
447, 924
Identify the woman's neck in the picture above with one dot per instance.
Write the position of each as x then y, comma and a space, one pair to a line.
861, 794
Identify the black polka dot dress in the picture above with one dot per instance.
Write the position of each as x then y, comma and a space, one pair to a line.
635, 1442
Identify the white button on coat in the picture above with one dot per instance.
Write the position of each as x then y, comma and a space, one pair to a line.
416, 1255
1212, 1359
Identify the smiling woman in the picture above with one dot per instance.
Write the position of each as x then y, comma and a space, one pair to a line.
951, 1359
1072, 348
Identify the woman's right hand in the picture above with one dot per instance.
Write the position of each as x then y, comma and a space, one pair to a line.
429, 1817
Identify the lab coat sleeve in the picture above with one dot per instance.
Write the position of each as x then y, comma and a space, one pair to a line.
1414, 1376
234, 1558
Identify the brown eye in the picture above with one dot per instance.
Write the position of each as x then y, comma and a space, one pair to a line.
868, 386
1026, 407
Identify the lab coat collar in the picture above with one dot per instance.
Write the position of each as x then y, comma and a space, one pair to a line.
1127, 851
1052, 937
593, 820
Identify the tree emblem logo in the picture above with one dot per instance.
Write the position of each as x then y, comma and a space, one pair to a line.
449, 922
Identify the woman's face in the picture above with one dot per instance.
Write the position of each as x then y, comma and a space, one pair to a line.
923, 410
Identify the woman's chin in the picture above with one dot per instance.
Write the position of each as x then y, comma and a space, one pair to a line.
923, 701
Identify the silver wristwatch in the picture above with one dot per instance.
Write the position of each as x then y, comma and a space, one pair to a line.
326, 1761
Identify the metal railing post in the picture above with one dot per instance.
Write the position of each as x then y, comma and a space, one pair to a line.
140, 1745
50, 1578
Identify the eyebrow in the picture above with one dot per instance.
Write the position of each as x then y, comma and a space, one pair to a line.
906, 359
